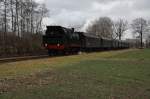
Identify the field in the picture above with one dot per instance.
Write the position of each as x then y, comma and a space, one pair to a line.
105, 75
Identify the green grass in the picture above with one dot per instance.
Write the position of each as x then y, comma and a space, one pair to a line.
105, 75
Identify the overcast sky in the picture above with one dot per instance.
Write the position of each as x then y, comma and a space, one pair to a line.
79, 12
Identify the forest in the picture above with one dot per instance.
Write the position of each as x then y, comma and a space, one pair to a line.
21, 27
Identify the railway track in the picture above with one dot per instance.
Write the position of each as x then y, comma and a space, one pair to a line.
14, 59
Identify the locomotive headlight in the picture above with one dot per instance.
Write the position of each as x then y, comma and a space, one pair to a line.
58, 44
46, 45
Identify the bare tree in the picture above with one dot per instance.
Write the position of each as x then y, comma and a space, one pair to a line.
20, 20
120, 27
17, 17
41, 12
12, 14
148, 41
140, 27
5, 15
102, 27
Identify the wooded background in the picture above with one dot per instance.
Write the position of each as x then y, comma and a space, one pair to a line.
21, 27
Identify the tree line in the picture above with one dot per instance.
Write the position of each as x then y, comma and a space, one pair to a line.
106, 28
21, 26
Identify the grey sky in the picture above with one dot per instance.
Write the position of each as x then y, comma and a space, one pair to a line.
72, 12
79, 12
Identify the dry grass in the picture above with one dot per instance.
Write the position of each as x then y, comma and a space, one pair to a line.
105, 75
32, 66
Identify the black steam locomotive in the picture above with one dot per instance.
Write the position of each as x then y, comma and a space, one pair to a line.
60, 40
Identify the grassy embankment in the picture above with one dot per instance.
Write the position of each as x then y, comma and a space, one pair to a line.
105, 75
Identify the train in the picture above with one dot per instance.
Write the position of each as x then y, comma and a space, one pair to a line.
61, 40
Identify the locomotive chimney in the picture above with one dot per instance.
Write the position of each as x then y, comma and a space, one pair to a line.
72, 29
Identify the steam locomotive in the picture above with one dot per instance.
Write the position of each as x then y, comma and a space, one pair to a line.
61, 40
